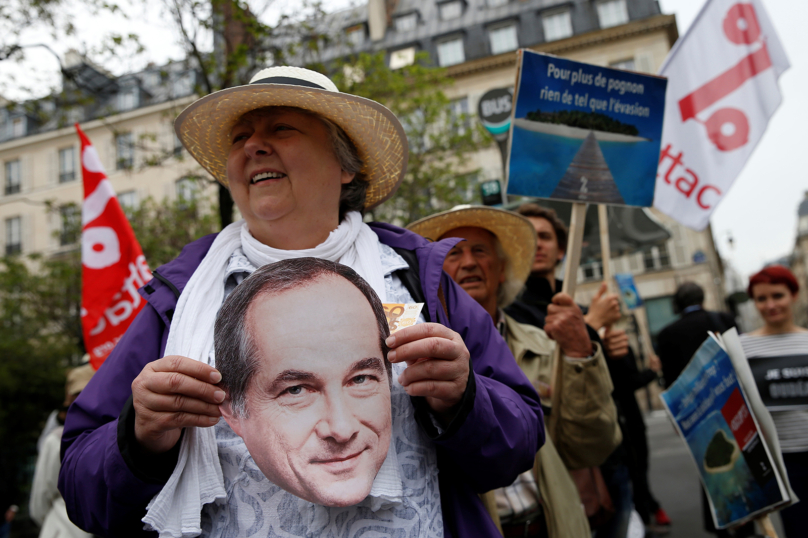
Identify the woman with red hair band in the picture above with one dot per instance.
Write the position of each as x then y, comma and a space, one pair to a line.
780, 347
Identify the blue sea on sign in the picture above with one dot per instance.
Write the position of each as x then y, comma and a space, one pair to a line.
585, 133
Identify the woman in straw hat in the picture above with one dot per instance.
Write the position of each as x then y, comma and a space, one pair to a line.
302, 161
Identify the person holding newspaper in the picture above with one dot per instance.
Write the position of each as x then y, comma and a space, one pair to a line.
774, 293
302, 162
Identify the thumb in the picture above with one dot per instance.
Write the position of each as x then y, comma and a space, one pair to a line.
601, 290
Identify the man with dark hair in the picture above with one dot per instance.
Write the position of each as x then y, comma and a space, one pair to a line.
679, 341
309, 394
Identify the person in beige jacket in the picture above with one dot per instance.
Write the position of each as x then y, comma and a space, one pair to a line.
491, 263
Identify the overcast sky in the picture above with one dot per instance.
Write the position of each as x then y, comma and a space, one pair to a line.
759, 212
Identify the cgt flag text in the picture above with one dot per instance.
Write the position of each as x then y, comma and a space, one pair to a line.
113, 265
722, 90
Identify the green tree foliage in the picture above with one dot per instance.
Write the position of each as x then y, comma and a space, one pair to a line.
440, 136
40, 325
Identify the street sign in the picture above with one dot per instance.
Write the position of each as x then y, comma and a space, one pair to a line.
491, 192
494, 111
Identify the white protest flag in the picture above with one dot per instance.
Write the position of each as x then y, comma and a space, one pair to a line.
722, 90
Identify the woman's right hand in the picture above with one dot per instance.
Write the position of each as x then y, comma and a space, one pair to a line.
173, 393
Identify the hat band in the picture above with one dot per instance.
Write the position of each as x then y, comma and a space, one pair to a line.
288, 80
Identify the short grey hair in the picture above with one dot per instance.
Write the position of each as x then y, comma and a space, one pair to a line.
235, 348
353, 195
510, 288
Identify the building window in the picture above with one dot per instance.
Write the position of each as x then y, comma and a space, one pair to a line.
496, 3
186, 191
128, 201
124, 151
402, 58
612, 13
592, 270
557, 25
128, 99
13, 179
406, 23
656, 257
451, 10
18, 127
67, 165
460, 115
356, 35
627, 64
70, 231
13, 235
183, 83
451, 52
503, 39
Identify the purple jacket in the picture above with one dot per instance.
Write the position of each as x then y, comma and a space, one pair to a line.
494, 439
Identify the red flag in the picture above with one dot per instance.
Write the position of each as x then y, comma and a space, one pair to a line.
113, 265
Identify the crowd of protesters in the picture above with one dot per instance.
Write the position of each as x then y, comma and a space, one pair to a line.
486, 441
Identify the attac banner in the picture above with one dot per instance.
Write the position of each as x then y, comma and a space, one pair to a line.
113, 265
722, 90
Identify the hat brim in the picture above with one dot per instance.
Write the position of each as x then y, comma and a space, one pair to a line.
515, 233
204, 128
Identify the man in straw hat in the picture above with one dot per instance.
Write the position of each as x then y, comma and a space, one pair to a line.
491, 264
302, 162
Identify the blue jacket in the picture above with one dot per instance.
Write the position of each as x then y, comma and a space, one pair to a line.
495, 436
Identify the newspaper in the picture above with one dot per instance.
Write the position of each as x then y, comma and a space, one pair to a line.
717, 410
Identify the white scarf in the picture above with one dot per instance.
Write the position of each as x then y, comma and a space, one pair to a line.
197, 478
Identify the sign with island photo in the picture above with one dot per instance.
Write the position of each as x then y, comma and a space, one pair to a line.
584, 133
741, 473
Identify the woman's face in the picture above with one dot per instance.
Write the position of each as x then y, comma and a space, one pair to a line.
774, 302
282, 167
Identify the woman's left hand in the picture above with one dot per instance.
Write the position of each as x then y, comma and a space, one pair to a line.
437, 365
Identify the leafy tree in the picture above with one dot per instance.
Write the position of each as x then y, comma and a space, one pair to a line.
440, 137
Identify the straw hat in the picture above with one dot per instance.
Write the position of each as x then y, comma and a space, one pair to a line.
77, 379
515, 233
204, 127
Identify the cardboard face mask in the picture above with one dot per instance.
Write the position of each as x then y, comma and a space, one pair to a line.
318, 414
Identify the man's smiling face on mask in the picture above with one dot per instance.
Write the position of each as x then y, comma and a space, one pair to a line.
318, 420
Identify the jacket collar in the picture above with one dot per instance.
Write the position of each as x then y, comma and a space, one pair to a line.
177, 272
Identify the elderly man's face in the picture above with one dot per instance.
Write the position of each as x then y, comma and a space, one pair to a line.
282, 167
474, 264
318, 411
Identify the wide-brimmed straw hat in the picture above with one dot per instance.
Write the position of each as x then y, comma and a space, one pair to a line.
204, 127
515, 233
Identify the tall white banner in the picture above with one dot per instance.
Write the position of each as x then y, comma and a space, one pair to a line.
722, 90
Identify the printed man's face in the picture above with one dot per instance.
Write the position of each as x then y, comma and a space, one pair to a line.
318, 411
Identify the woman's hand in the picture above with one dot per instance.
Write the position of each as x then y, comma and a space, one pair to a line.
174, 393
437, 365
616, 343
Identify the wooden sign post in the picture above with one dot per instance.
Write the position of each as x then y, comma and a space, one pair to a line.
572, 261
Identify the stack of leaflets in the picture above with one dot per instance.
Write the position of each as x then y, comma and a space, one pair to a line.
717, 410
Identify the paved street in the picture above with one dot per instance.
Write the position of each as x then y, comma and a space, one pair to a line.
674, 481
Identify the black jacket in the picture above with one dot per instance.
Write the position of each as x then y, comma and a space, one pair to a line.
679, 341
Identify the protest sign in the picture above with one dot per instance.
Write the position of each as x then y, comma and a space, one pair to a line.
113, 265
719, 104
782, 381
584, 133
628, 290
741, 470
